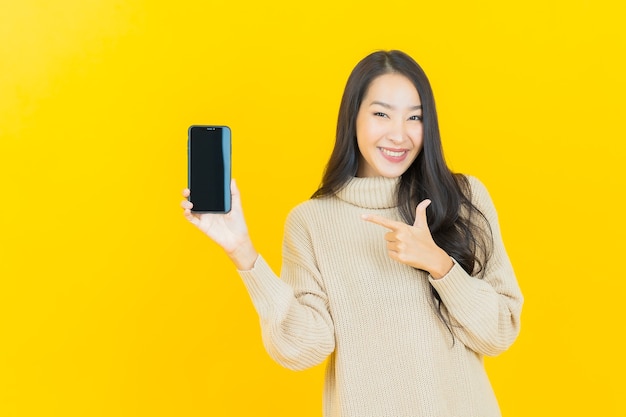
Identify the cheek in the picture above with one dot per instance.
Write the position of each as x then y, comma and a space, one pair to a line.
417, 136
369, 131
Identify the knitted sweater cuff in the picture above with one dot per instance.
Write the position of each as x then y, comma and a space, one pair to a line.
267, 291
456, 287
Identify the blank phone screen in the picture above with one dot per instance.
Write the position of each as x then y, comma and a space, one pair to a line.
209, 168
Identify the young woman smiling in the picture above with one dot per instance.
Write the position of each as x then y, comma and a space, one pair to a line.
394, 270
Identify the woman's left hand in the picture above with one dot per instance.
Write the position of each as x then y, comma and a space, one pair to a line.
414, 245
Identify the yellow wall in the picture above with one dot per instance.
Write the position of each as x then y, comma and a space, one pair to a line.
111, 304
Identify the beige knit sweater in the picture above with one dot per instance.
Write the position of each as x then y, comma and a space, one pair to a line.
390, 355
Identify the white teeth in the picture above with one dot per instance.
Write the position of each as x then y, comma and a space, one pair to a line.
392, 153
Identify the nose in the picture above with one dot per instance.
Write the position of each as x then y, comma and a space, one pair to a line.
396, 131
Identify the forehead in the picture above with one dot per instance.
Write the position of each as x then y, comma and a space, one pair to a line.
392, 87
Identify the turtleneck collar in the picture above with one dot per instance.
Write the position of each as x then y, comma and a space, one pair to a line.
370, 192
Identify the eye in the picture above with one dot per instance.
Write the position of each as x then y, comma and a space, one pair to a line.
416, 117
380, 114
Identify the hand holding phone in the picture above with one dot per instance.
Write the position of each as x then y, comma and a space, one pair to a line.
228, 230
209, 168
211, 205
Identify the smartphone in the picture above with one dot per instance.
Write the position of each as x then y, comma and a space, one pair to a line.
209, 166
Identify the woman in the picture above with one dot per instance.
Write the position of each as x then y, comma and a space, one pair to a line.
395, 268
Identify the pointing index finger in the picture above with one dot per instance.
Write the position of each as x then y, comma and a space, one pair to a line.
382, 221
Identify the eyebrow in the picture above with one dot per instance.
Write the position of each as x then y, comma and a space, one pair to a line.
390, 107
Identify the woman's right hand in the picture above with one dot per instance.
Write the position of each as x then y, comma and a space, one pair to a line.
227, 230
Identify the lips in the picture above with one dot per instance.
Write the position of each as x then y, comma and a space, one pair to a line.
394, 155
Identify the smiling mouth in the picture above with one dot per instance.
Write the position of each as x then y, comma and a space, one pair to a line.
392, 154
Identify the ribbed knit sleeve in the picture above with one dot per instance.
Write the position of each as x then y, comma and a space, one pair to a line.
484, 312
296, 325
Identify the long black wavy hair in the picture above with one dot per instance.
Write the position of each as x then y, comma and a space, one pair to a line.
457, 226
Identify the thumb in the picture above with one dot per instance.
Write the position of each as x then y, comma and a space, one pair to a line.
420, 214
235, 195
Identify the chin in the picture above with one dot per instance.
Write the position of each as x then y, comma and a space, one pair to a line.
392, 173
